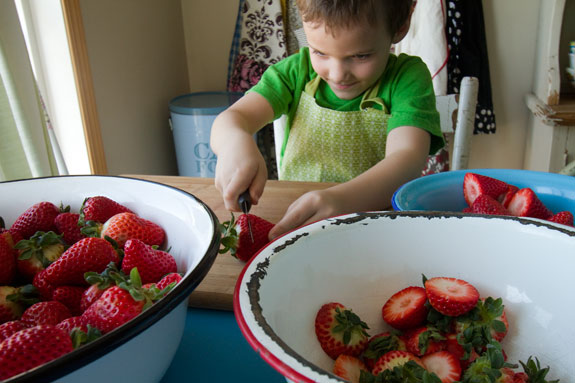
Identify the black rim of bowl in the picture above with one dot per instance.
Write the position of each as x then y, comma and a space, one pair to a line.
66, 364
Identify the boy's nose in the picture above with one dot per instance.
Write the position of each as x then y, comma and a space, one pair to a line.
338, 72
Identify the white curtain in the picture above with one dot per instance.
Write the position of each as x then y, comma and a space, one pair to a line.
28, 146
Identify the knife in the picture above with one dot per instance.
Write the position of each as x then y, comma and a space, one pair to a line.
245, 204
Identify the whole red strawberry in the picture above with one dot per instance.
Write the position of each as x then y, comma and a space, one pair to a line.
7, 261
49, 312
115, 307
152, 264
236, 236
100, 209
88, 254
174, 278
32, 347
44, 288
70, 296
71, 323
38, 217
124, 226
38, 252
340, 331
67, 224
90, 295
9, 328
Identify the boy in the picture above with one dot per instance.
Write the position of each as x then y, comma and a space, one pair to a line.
357, 115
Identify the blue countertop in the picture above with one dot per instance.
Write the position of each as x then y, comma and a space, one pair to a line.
213, 350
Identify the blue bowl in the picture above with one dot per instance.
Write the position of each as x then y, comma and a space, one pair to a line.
444, 191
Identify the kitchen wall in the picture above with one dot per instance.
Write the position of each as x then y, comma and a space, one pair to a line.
139, 50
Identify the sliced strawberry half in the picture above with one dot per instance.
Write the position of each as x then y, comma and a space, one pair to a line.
349, 368
563, 217
451, 296
525, 203
443, 364
477, 184
485, 204
506, 198
406, 308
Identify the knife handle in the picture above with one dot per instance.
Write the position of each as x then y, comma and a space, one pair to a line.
245, 201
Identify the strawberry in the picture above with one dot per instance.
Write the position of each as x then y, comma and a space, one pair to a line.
38, 252
9, 328
67, 225
506, 198
7, 260
88, 254
392, 359
451, 296
71, 323
236, 236
124, 226
44, 288
380, 344
406, 308
563, 217
70, 296
9, 310
38, 217
533, 372
349, 368
90, 295
32, 347
174, 278
477, 184
48, 312
152, 264
486, 321
525, 203
340, 331
114, 307
100, 209
443, 364
453, 346
425, 340
485, 204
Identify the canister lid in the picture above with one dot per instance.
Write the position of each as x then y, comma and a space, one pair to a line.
208, 103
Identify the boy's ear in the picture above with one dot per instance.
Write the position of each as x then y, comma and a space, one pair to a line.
400, 34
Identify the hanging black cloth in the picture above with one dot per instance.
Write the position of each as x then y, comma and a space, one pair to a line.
465, 29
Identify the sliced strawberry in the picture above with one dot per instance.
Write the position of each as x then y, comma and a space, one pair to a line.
349, 368
393, 359
451, 296
425, 340
443, 364
236, 236
563, 217
340, 331
477, 184
525, 203
506, 198
485, 204
406, 308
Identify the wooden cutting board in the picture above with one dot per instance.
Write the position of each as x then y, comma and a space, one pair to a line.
217, 289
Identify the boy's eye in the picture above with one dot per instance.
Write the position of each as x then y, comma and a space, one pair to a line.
318, 53
362, 56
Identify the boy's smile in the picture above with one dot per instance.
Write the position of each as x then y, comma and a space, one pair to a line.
349, 59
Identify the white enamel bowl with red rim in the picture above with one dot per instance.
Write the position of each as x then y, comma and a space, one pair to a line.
360, 260
142, 349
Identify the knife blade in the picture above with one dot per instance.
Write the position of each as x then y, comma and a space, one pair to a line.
245, 203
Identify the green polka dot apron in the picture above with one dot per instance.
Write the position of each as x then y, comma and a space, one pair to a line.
325, 145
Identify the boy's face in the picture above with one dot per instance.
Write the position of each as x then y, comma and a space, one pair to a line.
350, 60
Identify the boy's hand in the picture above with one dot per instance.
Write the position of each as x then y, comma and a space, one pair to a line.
310, 207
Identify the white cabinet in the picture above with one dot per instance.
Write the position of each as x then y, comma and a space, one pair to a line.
551, 135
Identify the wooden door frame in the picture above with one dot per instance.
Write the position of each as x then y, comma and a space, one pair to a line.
84, 85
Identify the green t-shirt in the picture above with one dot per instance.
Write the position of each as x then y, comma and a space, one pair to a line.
406, 90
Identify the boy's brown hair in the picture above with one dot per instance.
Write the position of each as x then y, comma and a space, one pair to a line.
344, 13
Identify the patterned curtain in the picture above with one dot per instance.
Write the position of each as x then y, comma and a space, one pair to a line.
259, 41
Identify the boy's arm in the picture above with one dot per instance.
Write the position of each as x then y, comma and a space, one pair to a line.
406, 152
240, 165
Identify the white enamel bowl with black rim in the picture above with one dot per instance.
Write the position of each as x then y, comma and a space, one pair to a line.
360, 260
142, 349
